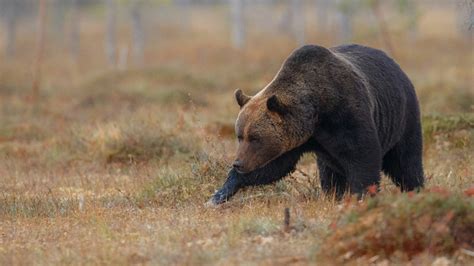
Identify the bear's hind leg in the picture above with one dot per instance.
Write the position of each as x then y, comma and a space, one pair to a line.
332, 183
403, 163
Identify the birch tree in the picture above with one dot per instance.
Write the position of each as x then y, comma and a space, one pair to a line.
184, 9
58, 12
138, 33
410, 9
298, 25
237, 21
465, 18
40, 42
346, 9
111, 32
322, 9
10, 13
74, 36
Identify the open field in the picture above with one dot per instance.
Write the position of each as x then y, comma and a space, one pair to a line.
114, 166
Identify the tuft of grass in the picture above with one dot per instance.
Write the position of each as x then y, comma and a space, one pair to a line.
169, 188
36, 206
193, 181
155, 85
263, 226
453, 130
208, 168
437, 124
436, 222
136, 141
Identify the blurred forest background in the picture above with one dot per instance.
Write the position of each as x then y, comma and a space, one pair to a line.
123, 34
116, 125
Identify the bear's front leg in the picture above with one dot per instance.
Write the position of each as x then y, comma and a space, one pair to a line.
356, 149
361, 179
270, 173
233, 183
362, 163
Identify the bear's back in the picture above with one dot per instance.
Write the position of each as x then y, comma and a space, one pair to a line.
393, 93
381, 71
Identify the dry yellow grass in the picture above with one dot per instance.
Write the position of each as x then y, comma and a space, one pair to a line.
114, 167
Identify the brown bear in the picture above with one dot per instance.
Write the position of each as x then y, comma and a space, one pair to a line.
350, 105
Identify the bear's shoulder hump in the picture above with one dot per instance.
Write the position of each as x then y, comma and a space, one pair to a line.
308, 53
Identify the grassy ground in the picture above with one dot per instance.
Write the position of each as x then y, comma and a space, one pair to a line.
114, 167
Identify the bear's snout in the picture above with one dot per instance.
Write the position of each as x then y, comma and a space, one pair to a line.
238, 166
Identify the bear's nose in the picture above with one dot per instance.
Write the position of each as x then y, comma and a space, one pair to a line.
237, 165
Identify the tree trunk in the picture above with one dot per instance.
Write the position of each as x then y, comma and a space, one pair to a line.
58, 12
39, 50
10, 14
346, 28
237, 20
111, 32
412, 14
184, 9
75, 37
138, 33
384, 33
345, 12
465, 19
322, 9
298, 28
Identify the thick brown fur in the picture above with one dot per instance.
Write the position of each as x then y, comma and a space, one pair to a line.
351, 105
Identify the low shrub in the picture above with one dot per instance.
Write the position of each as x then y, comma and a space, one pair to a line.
435, 222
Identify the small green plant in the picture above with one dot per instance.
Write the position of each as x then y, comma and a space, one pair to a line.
258, 226
435, 124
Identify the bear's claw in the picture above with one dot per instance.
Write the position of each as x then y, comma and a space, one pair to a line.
230, 187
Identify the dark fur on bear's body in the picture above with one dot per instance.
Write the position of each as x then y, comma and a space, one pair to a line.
351, 105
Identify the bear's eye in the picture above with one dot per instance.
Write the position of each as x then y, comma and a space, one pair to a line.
240, 138
253, 138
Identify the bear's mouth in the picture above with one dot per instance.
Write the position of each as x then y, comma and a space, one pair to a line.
242, 172
246, 172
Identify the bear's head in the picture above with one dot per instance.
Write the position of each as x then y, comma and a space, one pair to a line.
261, 131
284, 115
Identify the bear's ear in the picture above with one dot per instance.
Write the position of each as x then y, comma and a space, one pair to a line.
241, 98
275, 105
